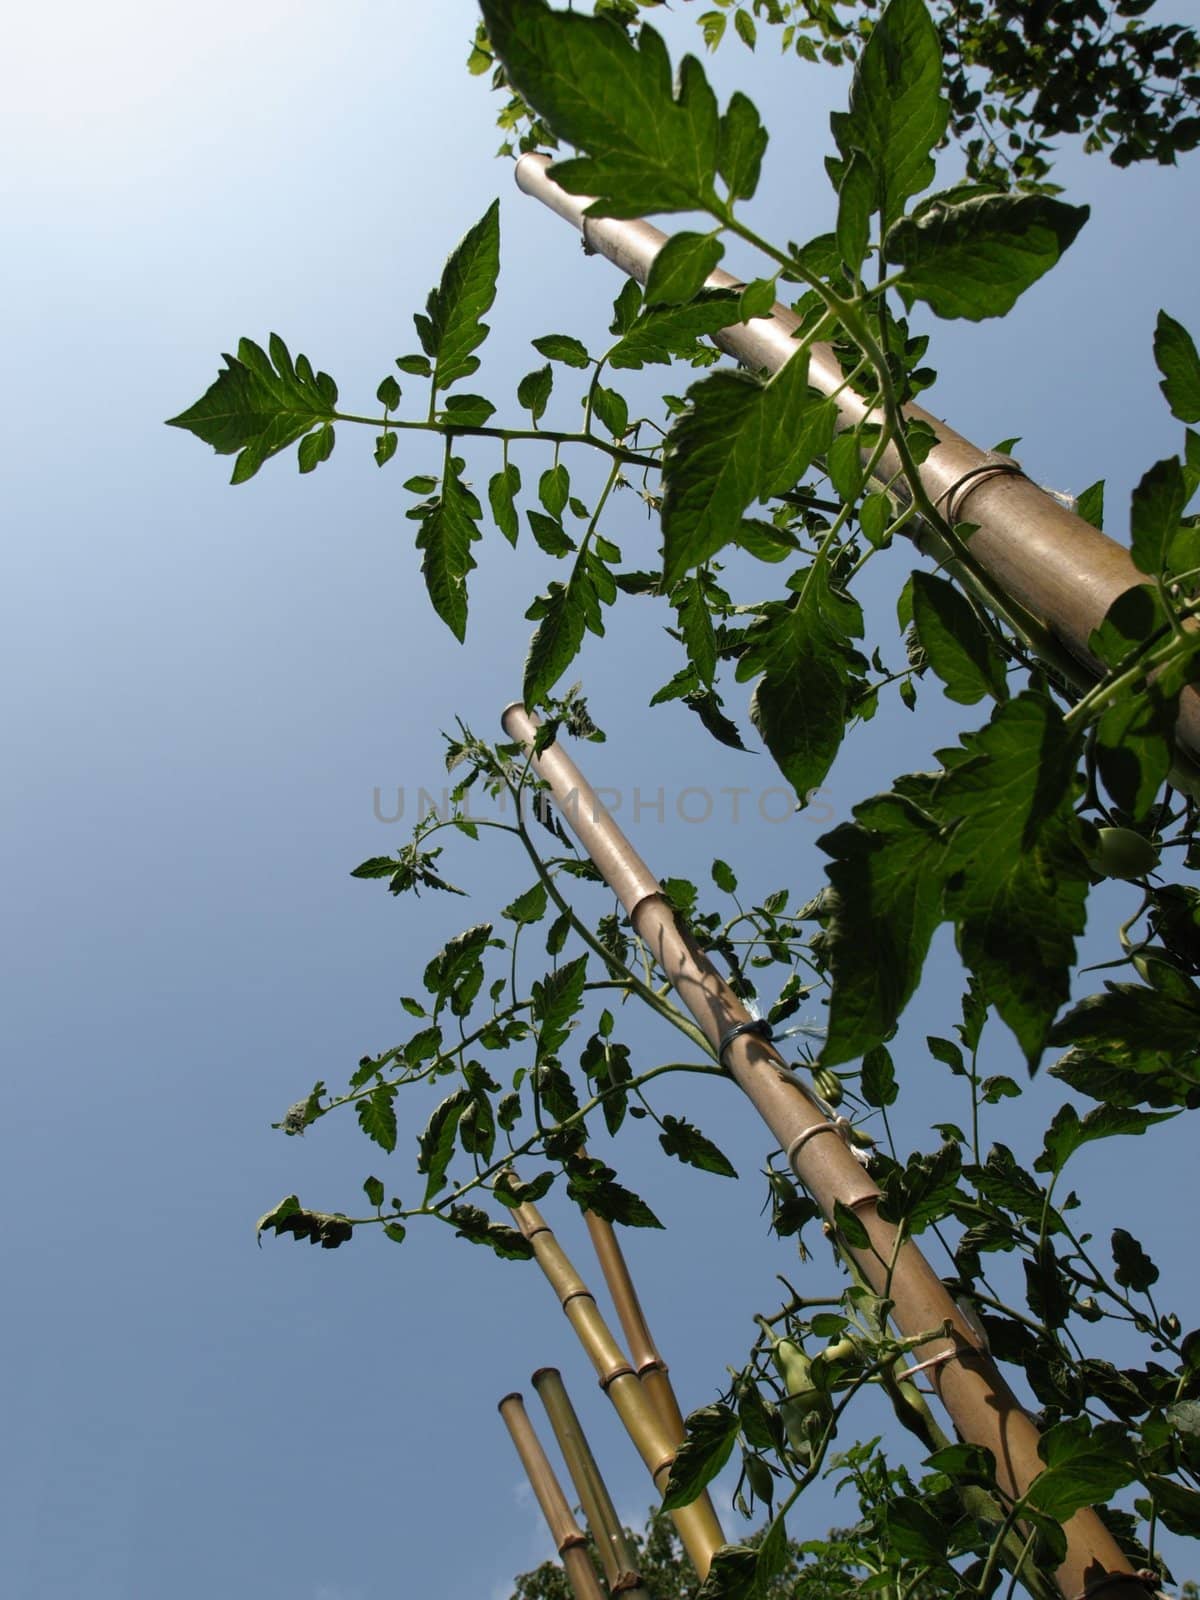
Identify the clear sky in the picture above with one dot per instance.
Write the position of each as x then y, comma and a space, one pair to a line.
206, 687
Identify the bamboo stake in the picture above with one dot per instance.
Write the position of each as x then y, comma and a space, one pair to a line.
643, 1352
616, 1553
1038, 553
564, 1530
697, 1523
980, 1403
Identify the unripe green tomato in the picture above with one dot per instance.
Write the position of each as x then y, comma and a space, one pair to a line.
842, 1350
794, 1367
828, 1085
1121, 853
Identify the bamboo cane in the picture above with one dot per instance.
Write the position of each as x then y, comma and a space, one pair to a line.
697, 1524
564, 1530
616, 1553
980, 1403
643, 1352
1060, 569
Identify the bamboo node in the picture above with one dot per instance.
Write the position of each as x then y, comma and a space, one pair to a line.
994, 465
626, 1581
572, 1541
617, 1372
756, 1025
798, 1143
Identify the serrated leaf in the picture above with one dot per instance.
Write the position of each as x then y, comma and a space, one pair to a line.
562, 347
740, 441
976, 258
804, 650
259, 405
648, 147
316, 447
529, 907
435, 1145
708, 1439
503, 488
678, 271
1069, 1131
1177, 360
1155, 513
743, 142
534, 389
1131, 1045
897, 115
953, 639
1084, 1466
455, 309
449, 527
377, 1116
476, 1226
679, 1138
556, 1000
1134, 1268
656, 336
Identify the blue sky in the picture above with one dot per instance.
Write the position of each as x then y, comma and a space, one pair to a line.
209, 684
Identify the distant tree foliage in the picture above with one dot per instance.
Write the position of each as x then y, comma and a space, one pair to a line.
1019, 73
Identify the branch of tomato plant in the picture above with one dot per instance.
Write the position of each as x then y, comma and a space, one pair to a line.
453, 430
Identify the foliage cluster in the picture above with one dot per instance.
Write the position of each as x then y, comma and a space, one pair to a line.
1065, 783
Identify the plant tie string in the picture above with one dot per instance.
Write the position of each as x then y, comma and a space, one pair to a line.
756, 1025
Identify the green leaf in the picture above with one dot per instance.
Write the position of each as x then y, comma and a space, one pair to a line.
678, 271
915, 1533
1134, 1268
388, 393
1089, 504
556, 1000
897, 115
953, 639
449, 527
377, 1116
503, 488
1084, 1466
318, 1227
533, 391
419, 365
879, 1086
466, 411
743, 142
880, 916
648, 148
455, 962
554, 489
475, 1225
562, 347
453, 325
656, 336
923, 1191
740, 441
992, 844
529, 907
1131, 1045
385, 448
563, 614
1155, 514
743, 22
435, 1145
856, 201
1177, 1505
374, 1191
851, 1226
708, 1440
316, 447
679, 1138
1177, 360
1070, 1132
803, 649
259, 404
612, 410
723, 877
976, 258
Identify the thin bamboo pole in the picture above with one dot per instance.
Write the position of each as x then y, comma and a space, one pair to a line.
616, 1553
568, 1537
980, 1403
697, 1524
644, 1354
1038, 553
